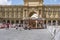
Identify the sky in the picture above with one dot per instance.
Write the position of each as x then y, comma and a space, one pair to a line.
20, 2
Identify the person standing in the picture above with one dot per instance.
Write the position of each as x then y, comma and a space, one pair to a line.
7, 25
29, 27
16, 26
20, 27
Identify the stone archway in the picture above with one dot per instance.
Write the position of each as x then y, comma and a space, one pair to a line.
4, 21
17, 21
8, 21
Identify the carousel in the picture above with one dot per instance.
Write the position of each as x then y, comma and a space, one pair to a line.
34, 23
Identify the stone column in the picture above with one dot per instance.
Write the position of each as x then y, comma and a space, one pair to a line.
51, 22
23, 23
23, 14
44, 25
10, 21
5, 14
27, 12
6, 21
56, 23
46, 22
47, 16
14, 14
52, 14
14, 21
41, 13
38, 13
0, 21
19, 21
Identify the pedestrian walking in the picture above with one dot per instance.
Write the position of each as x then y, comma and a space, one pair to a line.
25, 27
29, 27
20, 27
16, 26
7, 25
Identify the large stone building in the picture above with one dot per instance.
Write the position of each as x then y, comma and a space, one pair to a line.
48, 14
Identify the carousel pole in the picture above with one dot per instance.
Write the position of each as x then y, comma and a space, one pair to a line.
23, 23
36, 23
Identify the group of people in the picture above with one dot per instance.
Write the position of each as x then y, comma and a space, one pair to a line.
17, 26
20, 26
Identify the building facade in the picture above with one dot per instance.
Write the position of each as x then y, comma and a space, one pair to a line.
18, 13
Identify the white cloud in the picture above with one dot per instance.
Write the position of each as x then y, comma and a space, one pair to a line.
5, 2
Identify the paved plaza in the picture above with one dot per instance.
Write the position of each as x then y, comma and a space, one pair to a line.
34, 34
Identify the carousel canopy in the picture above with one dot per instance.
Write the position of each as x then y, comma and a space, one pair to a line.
34, 16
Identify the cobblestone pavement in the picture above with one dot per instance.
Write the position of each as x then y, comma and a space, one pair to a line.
34, 34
